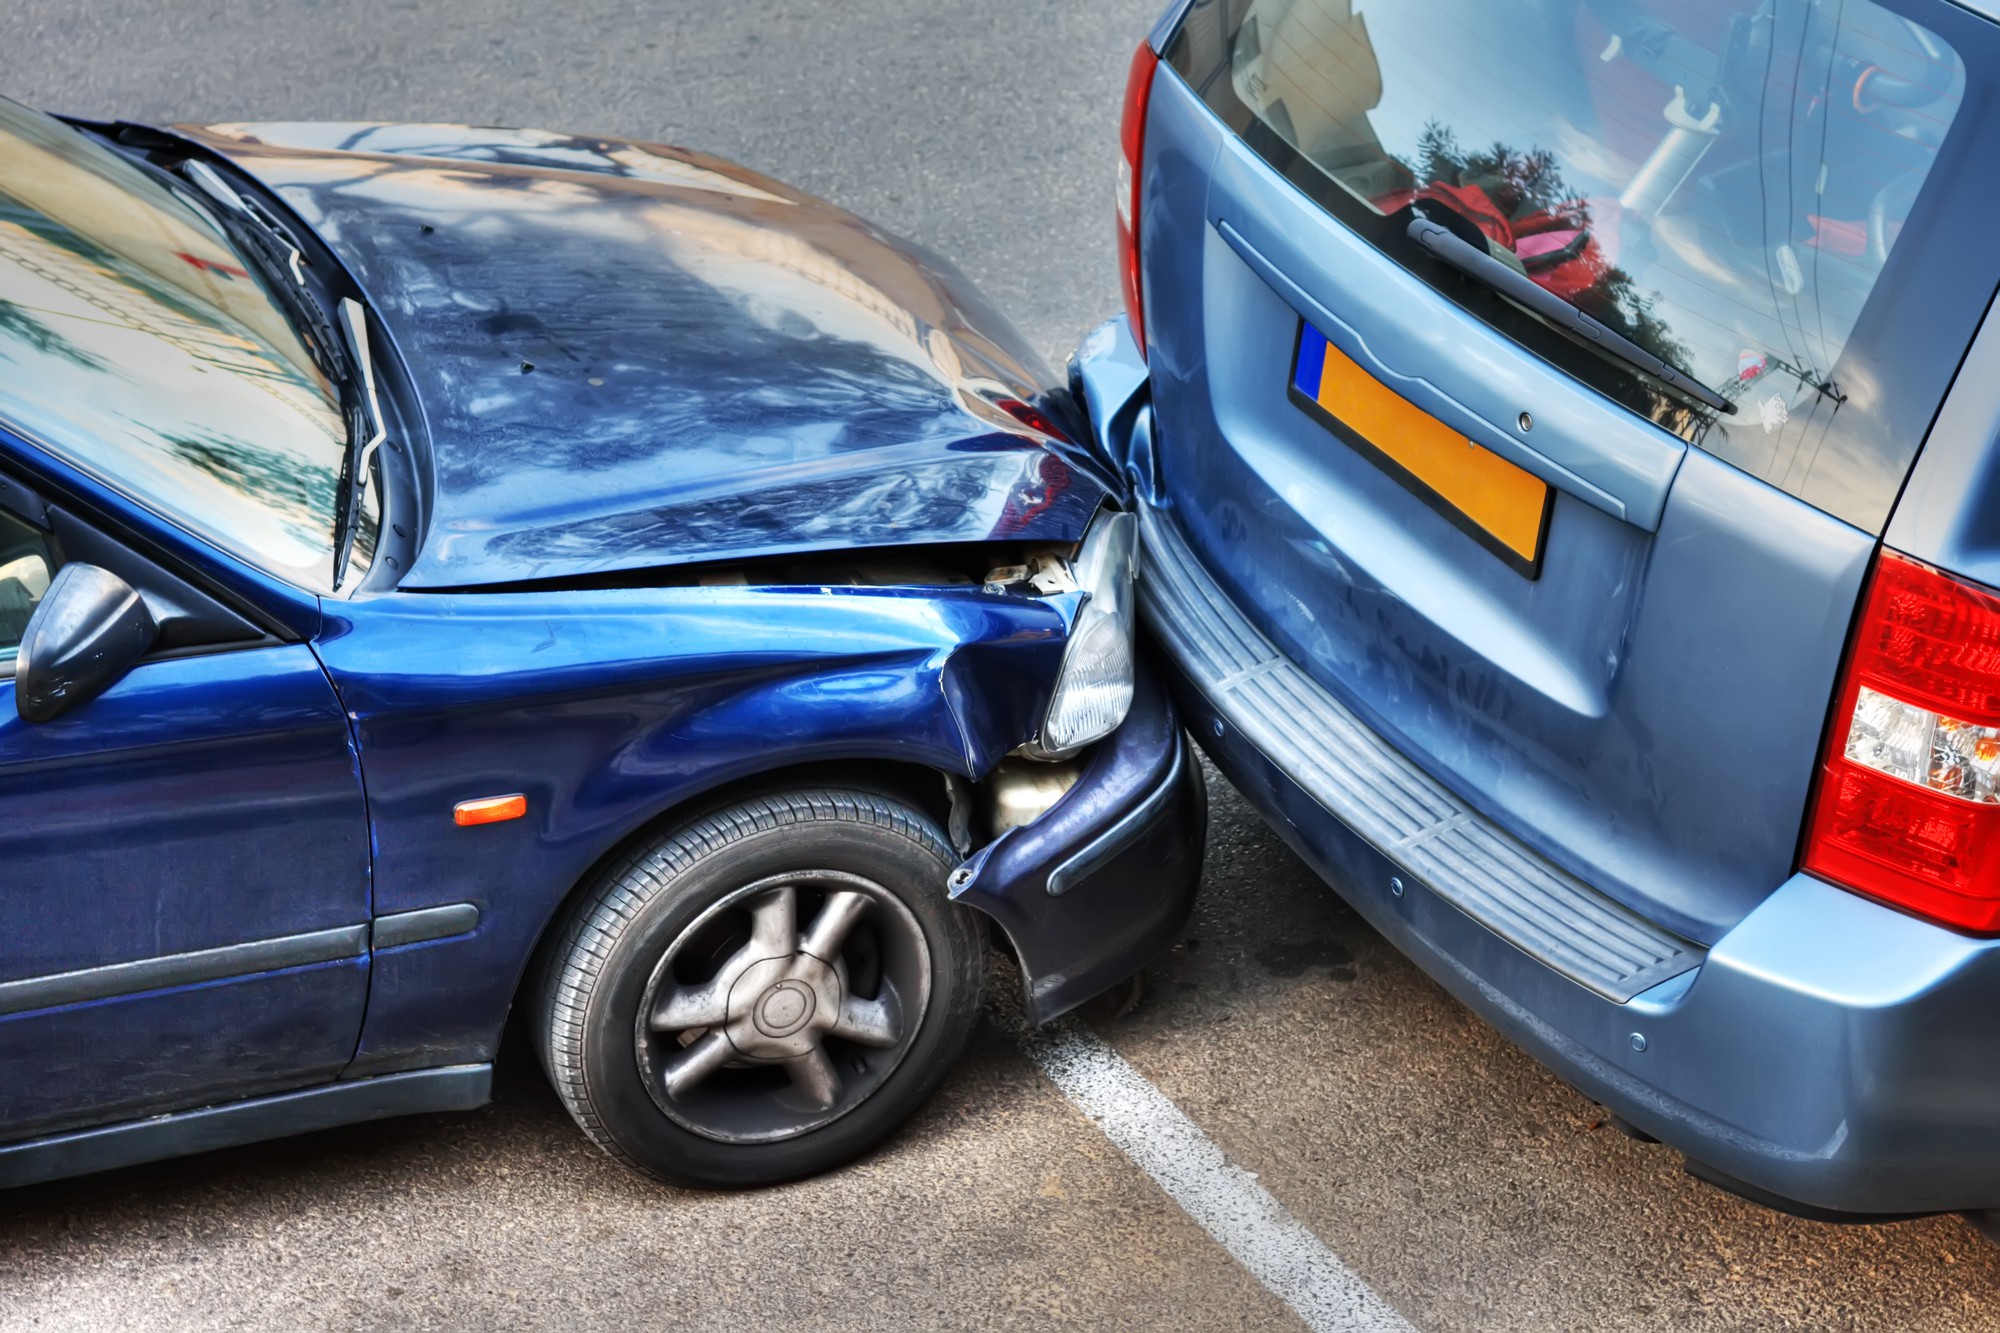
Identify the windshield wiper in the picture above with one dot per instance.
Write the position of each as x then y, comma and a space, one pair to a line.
1476, 264
267, 242
356, 470
343, 354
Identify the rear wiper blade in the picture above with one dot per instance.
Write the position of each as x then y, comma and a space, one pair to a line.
357, 469
1476, 264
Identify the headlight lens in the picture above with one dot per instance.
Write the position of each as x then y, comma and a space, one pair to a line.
1094, 691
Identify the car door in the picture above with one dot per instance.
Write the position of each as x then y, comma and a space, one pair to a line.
183, 860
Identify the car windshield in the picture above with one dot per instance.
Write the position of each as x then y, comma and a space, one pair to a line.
139, 346
1725, 183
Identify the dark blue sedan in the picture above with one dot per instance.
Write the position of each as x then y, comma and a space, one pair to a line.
452, 574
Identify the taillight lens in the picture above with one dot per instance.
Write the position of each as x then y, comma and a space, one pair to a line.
1907, 807
1132, 143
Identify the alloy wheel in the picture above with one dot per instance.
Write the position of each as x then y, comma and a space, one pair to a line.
783, 1006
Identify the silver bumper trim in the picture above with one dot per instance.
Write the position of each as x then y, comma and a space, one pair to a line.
1370, 786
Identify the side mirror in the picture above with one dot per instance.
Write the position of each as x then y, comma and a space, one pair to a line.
91, 628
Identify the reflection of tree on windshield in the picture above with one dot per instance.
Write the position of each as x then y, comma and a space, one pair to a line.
298, 493
19, 324
1532, 219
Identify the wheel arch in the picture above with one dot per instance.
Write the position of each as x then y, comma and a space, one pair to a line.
919, 785
635, 729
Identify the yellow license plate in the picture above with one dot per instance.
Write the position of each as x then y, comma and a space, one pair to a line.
1502, 507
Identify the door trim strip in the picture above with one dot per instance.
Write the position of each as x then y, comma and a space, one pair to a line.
183, 969
426, 923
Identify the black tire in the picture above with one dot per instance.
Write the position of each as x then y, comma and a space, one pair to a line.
639, 939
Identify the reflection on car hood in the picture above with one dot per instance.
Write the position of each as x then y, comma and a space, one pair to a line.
630, 356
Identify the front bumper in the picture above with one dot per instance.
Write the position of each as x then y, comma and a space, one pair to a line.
1101, 883
1829, 1054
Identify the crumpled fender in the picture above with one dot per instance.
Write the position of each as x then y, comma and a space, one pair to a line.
604, 709
997, 706
1105, 879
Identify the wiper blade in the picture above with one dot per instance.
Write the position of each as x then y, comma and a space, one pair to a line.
357, 470
1476, 264
343, 354
211, 183
272, 245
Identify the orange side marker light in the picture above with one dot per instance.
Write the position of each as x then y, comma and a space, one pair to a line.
489, 810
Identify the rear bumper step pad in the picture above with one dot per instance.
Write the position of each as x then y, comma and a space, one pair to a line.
1363, 781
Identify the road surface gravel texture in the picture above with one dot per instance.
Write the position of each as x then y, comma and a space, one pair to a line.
1448, 1173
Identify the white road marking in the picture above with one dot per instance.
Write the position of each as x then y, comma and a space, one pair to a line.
1228, 1203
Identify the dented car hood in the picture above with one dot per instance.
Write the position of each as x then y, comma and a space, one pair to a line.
628, 356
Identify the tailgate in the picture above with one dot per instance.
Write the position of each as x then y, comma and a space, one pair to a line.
1603, 615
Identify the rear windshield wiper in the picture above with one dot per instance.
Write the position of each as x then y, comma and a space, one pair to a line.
1476, 264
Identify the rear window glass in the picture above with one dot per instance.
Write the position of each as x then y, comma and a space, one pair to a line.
1731, 186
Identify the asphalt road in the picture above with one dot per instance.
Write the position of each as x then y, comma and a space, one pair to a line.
1467, 1186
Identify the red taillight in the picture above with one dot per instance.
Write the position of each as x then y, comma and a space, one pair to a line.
1907, 806
1132, 142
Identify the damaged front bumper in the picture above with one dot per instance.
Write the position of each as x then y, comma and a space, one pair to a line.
1101, 883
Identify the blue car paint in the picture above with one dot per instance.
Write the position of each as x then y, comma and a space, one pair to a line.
160, 1051
53, 1156
1829, 1055
1104, 831
1830, 1052
613, 707
608, 382
1108, 377
101, 781
201, 801
1404, 334
1560, 705
579, 674
1949, 514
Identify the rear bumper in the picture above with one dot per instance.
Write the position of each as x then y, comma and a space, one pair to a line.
1099, 885
1828, 1053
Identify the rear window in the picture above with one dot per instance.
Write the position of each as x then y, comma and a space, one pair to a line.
1768, 197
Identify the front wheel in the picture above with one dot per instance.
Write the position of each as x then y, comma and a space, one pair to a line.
764, 993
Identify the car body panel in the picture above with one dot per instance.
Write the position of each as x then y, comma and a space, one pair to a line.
201, 802
1949, 514
1410, 339
1830, 1052
609, 708
630, 357
52, 1157
1109, 380
1109, 871
1586, 710
1645, 717
280, 847
157, 1052
1168, 23
536, 647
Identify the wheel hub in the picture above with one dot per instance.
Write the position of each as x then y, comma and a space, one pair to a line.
779, 1008
783, 1009
777, 1000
